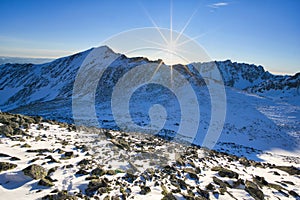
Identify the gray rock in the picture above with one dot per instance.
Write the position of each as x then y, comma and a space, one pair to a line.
45, 182
4, 166
35, 171
254, 191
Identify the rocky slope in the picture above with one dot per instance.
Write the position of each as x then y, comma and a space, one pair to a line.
263, 110
52, 160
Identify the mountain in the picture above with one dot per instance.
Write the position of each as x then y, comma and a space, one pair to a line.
262, 109
22, 60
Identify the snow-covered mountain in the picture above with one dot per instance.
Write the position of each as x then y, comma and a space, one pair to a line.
263, 110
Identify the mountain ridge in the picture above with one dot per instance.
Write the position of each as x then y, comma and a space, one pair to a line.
248, 77
252, 106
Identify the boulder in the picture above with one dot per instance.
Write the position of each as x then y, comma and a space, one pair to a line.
254, 191
225, 172
35, 171
45, 182
4, 166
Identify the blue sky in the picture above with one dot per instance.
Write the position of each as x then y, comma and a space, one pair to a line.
264, 32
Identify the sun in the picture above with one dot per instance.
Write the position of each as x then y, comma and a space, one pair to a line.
173, 44
156, 43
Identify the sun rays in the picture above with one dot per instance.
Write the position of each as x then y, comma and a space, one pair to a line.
171, 45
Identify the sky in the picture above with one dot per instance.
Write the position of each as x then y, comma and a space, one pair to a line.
261, 32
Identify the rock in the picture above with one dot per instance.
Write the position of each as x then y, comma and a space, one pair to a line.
83, 148
26, 126
54, 191
111, 172
4, 119
14, 158
276, 173
84, 162
125, 192
81, 172
50, 179
177, 190
35, 171
294, 194
225, 172
237, 183
52, 160
33, 160
25, 146
95, 185
107, 197
116, 197
98, 172
129, 177
254, 191
210, 187
39, 151
182, 184
180, 161
169, 196
291, 170
18, 131
222, 190
4, 166
92, 178
69, 154
3, 155
108, 134
14, 125
6, 130
220, 182
192, 173
283, 193
244, 161
37, 119
275, 186
164, 190
121, 143
145, 190
289, 182
45, 182
69, 166
169, 169
260, 181
117, 171
60, 196
203, 193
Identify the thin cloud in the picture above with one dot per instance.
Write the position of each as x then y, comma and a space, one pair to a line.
218, 5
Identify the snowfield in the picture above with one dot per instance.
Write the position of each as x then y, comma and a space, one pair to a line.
92, 163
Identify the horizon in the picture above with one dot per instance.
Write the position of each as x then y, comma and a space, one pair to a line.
233, 61
261, 33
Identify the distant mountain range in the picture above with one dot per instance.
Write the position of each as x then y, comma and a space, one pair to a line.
22, 60
260, 106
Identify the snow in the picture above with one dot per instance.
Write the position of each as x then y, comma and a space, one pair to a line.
15, 185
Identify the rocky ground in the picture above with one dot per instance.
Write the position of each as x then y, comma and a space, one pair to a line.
51, 160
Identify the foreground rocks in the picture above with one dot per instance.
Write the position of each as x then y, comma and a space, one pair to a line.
35, 171
6, 166
69, 162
